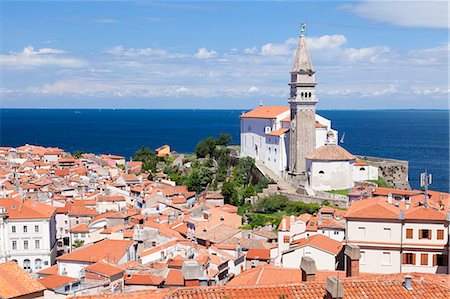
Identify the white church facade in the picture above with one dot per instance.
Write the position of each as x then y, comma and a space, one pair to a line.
293, 141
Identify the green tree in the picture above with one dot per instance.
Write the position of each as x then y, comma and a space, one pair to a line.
223, 139
77, 154
205, 147
78, 243
230, 193
244, 170
148, 159
271, 204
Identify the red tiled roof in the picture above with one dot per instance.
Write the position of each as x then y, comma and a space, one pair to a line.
174, 278
278, 132
143, 279
53, 281
15, 282
319, 241
266, 112
104, 269
258, 254
109, 250
330, 152
30, 209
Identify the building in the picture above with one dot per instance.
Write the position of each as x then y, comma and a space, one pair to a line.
397, 236
27, 233
293, 141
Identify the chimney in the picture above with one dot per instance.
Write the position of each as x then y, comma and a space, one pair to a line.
292, 220
407, 283
335, 288
283, 224
352, 254
390, 198
308, 267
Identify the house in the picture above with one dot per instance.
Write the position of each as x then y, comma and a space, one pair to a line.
27, 233
15, 283
398, 236
112, 251
163, 150
327, 253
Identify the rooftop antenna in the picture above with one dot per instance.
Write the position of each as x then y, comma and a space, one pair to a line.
425, 181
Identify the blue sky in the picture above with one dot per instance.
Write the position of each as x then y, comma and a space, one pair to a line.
367, 55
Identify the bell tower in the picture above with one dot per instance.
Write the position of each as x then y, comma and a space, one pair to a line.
303, 108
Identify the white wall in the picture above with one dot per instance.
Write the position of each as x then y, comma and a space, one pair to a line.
364, 173
323, 259
336, 175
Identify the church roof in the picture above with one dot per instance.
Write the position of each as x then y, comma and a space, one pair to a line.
266, 112
278, 132
302, 60
330, 152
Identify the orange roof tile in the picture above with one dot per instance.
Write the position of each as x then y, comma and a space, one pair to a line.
320, 242
111, 251
330, 152
174, 278
143, 279
104, 269
30, 209
278, 132
258, 254
266, 112
54, 281
15, 282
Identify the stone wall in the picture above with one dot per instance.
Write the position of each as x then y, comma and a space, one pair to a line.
394, 172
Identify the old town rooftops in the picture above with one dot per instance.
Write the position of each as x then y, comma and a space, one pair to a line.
15, 282
30, 209
330, 152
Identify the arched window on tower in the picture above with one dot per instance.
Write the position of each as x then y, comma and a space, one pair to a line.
321, 172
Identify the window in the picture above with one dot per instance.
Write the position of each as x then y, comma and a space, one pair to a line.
424, 234
25, 244
67, 288
14, 245
440, 260
36, 228
65, 222
83, 235
362, 259
362, 231
387, 232
27, 265
13, 228
409, 233
440, 234
37, 244
286, 239
321, 172
362, 169
386, 259
424, 259
25, 229
409, 258
38, 264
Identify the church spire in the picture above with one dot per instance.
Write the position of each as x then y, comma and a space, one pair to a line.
302, 62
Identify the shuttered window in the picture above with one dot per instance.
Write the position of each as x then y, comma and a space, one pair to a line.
409, 233
424, 259
440, 234
409, 258
425, 234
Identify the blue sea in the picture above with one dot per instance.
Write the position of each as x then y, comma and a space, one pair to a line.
419, 136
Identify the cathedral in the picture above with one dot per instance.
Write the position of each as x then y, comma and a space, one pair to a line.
294, 142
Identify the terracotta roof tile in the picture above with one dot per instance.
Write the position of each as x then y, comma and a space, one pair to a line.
15, 282
266, 112
53, 281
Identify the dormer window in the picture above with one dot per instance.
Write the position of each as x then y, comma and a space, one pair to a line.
267, 129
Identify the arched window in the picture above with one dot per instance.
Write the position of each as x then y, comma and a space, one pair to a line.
27, 265
38, 264
302, 94
321, 172
362, 169
309, 95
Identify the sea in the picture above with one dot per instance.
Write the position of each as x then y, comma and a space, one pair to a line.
419, 136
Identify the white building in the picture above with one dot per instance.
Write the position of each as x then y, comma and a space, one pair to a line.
396, 237
27, 233
293, 141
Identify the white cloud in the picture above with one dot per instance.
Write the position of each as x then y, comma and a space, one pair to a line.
182, 89
30, 57
250, 50
203, 53
272, 49
253, 89
326, 42
414, 14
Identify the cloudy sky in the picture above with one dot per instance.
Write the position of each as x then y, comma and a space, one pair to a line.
203, 55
